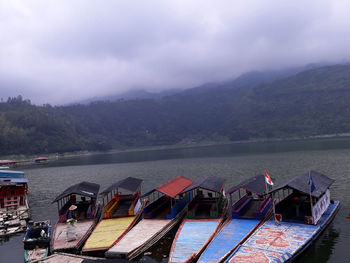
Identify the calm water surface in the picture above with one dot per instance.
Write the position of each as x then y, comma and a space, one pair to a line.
282, 160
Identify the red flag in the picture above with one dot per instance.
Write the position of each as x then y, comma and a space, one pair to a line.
268, 179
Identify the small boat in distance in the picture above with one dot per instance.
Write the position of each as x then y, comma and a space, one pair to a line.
41, 160
303, 211
205, 214
77, 217
122, 209
165, 211
37, 241
249, 206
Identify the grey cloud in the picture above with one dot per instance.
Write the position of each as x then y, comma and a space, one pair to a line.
64, 51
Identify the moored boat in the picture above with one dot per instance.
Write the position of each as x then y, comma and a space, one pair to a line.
249, 205
14, 209
77, 218
121, 210
205, 215
166, 209
37, 241
303, 210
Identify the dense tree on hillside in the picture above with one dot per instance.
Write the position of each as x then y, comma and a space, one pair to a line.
312, 102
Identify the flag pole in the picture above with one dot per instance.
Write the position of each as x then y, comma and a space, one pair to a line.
312, 209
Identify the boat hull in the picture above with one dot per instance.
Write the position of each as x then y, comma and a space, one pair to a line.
233, 233
142, 236
283, 242
61, 242
192, 237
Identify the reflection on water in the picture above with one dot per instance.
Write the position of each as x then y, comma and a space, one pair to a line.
232, 162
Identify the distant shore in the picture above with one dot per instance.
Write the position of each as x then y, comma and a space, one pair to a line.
28, 160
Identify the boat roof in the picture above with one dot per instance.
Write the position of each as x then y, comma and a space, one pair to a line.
130, 183
173, 187
8, 173
301, 183
7, 161
211, 183
12, 181
255, 184
84, 188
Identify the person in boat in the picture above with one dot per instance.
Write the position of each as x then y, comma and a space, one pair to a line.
71, 212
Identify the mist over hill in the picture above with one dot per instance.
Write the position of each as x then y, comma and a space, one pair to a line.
255, 106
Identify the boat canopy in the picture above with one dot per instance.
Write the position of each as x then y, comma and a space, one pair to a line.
12, 174
13, 181
301, 183
254, 184
84, 188
173, 187
130, 184
210, 183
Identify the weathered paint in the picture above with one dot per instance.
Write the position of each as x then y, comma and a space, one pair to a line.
229, 237
192, 235
279, 243
137, 236
106, 232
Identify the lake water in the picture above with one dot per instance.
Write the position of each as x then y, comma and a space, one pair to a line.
234, 162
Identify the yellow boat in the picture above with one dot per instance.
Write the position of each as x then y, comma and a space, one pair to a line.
120, 214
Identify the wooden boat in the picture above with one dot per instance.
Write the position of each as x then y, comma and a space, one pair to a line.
41, 160
248, 210
71, 236
303, 211
121, 211
205, 215
14, 209
166, 209
70, 258
37, 241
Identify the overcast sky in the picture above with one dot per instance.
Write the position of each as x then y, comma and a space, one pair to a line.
65, 51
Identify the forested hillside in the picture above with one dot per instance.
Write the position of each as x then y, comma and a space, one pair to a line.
312, 102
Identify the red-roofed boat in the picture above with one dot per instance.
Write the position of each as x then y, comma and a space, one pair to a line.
165, 211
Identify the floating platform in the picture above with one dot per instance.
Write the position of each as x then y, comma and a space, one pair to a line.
283, 242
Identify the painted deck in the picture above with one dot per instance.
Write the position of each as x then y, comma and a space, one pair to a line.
107, 232
140, 234
230, 236
192, 235
280, 243
82, 229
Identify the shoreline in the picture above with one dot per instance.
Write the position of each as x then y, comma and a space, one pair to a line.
28, 160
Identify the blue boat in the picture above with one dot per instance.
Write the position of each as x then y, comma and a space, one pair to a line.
205, 215
248, 212
303, 211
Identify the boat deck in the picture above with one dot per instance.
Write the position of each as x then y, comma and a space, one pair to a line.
123, 208
193, 235
137, 236
60, 241
107, 232
228, 238
280, 243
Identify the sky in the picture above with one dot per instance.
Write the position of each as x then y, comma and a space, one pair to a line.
61, 52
